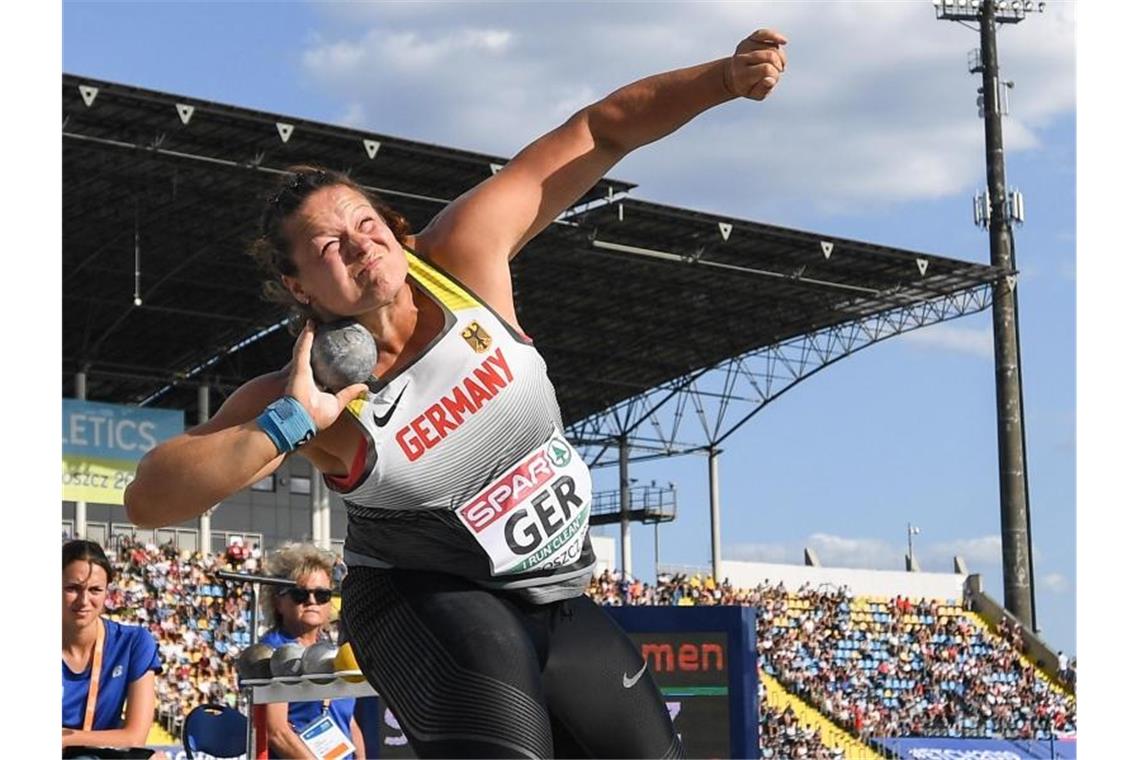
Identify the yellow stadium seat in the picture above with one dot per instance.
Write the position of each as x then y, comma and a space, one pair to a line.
157, 735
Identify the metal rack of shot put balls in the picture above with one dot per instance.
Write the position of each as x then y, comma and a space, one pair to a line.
290, 672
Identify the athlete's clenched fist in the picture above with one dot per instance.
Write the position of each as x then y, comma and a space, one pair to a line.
757, 64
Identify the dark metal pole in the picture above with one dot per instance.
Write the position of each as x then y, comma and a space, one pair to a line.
656, 553
714, 512
1025, 457
1015, 547
623, 484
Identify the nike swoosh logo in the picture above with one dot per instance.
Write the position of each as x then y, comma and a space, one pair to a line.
628, 682
382, 421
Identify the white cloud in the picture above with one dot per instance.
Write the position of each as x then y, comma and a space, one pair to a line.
334, 59
774, 553
876, 106
838, 551
353, 115
832, 550
961, 340
1056, 583
981, 552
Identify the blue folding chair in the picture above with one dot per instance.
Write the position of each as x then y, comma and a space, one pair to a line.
216, 730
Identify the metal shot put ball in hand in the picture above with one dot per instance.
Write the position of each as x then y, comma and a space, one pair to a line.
344, 353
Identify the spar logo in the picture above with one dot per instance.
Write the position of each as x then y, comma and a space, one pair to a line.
508, 492
559, 452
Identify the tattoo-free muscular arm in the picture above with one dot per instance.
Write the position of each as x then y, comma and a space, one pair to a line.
183, 477
477, 234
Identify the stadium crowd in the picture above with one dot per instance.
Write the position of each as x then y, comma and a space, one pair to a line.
941, 677
782, 736
916, 670
201, 625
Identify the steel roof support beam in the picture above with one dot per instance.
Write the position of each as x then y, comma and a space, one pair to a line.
741, 386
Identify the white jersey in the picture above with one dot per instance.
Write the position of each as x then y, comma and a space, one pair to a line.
465, 469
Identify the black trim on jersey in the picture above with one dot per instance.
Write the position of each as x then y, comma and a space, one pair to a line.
398, 537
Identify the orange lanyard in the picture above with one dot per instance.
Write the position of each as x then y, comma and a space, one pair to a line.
93, 689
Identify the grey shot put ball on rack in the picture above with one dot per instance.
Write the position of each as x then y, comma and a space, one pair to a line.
318, 661
253, 662
344, 352
285, 664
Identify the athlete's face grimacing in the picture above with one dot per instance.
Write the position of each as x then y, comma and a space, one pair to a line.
347, 259
84, 592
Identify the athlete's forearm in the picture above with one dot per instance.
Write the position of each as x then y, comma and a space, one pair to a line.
116, 737
185, 476
651, 108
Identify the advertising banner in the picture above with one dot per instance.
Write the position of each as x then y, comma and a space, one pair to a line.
102, 444
946, 748
703, 660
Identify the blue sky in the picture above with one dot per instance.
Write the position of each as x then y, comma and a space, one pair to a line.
872, 135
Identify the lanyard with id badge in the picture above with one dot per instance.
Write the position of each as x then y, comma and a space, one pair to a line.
324, 738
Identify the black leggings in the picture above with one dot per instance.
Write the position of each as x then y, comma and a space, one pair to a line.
475, 673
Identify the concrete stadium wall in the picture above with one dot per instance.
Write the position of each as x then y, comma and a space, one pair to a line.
605, 550
861, 582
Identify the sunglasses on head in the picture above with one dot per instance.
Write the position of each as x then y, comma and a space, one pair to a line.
301, 595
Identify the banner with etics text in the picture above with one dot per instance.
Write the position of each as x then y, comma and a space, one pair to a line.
103, 443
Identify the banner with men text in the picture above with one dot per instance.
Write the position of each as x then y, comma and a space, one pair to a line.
103, 443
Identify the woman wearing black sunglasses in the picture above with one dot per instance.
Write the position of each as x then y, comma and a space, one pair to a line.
300, 615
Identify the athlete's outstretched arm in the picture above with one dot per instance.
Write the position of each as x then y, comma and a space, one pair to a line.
479, 232
183, 477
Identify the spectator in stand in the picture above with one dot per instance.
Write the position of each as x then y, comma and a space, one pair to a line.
1063, 668
340, 569
236, 553
200, 625
107, 666
300, 614
904, 676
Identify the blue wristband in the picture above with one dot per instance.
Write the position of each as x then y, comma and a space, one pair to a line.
287, 424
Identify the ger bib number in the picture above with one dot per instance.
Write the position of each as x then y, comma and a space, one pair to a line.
536, 514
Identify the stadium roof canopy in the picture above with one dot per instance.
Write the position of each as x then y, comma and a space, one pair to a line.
161, 194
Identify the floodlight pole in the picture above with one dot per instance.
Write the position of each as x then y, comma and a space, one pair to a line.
1016, 549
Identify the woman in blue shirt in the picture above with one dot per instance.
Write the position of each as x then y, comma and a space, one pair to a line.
126, 655
300, 614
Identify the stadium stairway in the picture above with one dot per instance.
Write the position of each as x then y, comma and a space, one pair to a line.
829, 733
159, 736
1055, 685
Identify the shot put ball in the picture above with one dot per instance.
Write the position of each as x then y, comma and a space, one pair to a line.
344, 352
